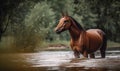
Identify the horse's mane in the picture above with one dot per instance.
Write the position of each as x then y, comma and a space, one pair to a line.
77, 24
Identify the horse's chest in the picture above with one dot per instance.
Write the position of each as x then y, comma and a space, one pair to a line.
75, 45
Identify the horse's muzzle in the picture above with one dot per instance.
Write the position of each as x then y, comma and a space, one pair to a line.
58, 31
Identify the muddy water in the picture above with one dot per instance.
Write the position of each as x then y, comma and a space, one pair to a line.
58, 61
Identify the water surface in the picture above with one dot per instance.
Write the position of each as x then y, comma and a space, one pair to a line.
58, 61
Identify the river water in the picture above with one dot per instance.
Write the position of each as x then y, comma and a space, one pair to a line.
58, 61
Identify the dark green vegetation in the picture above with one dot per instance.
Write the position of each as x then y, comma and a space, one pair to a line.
26, 24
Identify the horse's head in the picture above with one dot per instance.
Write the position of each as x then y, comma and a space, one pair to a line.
64, 24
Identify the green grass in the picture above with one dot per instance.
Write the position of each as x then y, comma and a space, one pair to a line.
44, 44
113, 44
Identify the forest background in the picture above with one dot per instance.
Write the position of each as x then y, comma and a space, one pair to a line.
29, 24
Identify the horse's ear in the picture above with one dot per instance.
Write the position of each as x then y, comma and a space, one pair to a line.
62, 13
66, 14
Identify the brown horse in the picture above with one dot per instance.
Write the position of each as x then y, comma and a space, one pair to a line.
82, 41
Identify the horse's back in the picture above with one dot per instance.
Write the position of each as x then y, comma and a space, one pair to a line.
96, 32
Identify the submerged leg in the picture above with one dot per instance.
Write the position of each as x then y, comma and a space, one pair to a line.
102, 53
92, 55
76, 54
85, 54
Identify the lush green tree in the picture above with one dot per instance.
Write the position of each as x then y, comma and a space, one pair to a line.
6, 7
41, 19
87, 17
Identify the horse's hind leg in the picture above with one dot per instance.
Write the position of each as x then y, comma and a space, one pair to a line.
103, 47
102, 53
92, 55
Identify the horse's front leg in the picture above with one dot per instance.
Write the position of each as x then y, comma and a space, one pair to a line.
76, 54
92, 55
85, 54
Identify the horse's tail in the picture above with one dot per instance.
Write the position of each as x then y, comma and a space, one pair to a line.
104, 46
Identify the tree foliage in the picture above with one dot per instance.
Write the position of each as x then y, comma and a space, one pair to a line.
40, 20
30, 21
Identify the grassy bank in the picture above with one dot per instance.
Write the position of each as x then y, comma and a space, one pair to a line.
111, 44
8, 45
60, 43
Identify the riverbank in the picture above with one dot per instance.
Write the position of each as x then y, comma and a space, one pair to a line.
66, 48
48, 46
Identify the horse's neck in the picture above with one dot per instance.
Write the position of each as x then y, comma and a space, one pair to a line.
75, 33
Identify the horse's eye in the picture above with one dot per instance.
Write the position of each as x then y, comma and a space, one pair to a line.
66, 21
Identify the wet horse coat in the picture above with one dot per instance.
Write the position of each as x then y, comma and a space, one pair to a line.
82, 41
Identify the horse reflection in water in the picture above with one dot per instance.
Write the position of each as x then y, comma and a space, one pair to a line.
82, 41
